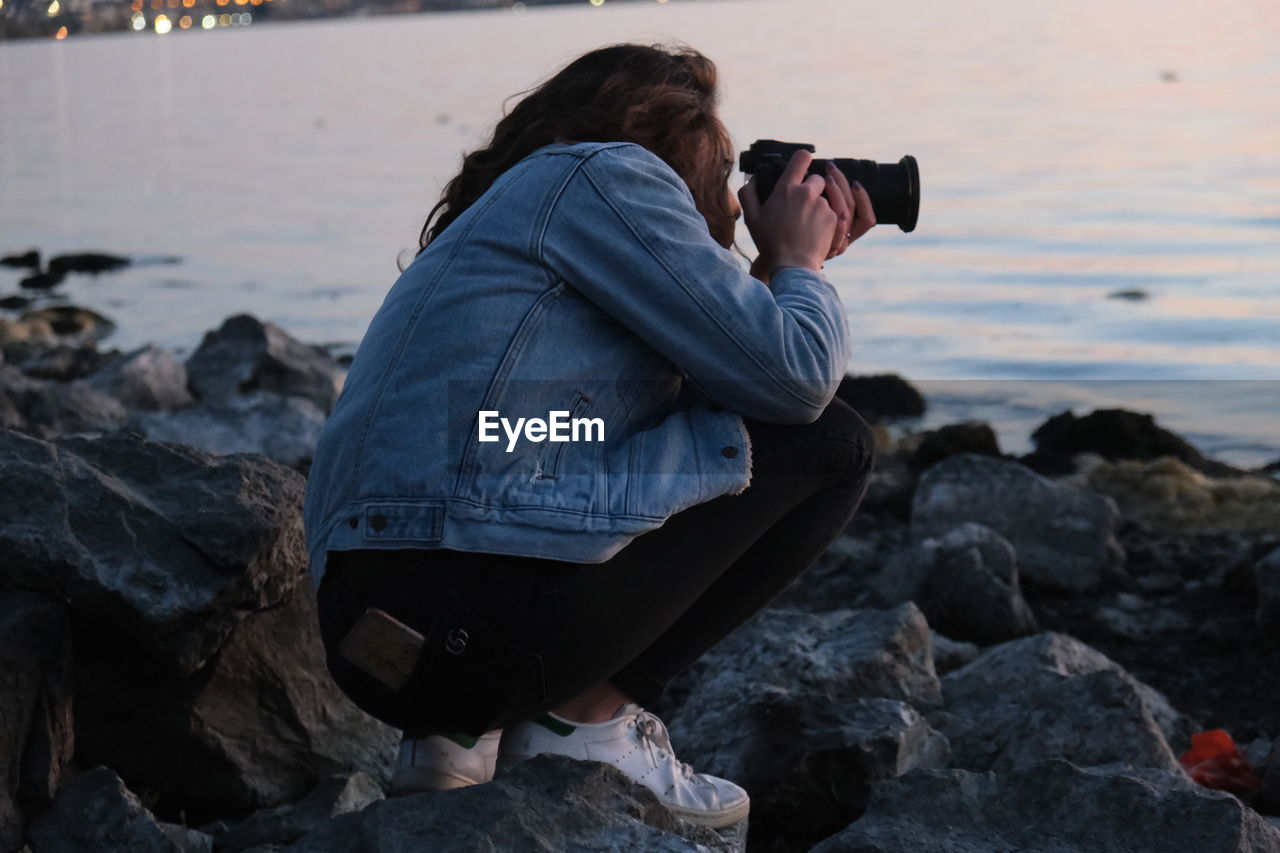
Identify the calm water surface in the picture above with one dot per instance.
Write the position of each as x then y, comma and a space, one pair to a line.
1068, 152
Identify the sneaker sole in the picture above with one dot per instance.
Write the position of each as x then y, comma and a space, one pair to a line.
712, 820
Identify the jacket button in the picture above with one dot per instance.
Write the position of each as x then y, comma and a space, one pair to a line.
729, 451
378, 522
354, 521
713, 407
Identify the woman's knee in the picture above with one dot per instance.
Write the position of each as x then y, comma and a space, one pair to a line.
855, 440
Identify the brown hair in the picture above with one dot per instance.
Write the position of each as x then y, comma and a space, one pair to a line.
661, 98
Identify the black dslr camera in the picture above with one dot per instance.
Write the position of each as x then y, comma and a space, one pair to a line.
894, 187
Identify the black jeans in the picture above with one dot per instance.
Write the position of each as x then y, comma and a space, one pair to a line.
507, 638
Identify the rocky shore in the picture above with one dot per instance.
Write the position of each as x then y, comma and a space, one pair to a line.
999, 654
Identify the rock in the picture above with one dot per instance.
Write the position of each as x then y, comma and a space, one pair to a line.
282, 428
65, 362
954, 439
90, 262
337, 795
23, 337
549, 802
840, 577
14, 302
149, 378
1116, 434
160, 547
881, 397
71, 323
1129, 295
1134, 617
890, 488
1051, 696
36, 738
259, 725
804, 710
1064, 537
97, 813
246, 355
29, 259
1051, 807
186, 839
949, 655
42, 280
966, 582
48, 409
1266, 575
1171, 497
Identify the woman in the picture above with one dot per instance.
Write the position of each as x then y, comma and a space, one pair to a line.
540, 593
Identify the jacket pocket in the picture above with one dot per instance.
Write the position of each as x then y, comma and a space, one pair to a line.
550, 459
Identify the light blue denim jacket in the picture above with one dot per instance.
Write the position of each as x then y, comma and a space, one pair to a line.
584, 280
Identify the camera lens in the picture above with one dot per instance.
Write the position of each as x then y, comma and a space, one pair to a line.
894, 188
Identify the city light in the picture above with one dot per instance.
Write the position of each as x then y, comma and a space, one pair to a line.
224, 20
184, 22
139, 21
163, 24
209, 22
61, 34
54, 8
597, 2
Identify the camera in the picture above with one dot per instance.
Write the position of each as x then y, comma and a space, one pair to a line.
894, 188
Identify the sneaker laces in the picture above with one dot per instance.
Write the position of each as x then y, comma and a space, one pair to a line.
657, 743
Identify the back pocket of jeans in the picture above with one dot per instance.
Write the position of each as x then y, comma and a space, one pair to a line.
470, 679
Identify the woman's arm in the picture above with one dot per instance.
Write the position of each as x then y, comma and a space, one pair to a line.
625, 233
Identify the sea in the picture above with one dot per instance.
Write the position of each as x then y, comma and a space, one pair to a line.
1100, 181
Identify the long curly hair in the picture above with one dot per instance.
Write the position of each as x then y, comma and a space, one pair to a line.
663, 98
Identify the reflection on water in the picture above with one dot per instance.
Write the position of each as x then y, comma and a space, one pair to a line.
1067, 151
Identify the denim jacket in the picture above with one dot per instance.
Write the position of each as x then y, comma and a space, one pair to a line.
584, 281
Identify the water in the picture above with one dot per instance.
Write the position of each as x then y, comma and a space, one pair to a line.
1067, 151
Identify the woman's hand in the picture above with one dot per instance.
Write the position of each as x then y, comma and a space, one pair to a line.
779, 231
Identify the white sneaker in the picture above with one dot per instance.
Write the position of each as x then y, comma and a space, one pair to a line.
439, 763
635, 741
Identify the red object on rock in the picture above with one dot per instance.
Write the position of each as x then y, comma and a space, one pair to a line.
1214, 762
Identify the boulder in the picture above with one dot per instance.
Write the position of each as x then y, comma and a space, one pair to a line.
148, 378
96, 813
966, 582
949, 655
840, 577
66, 362
48, 408
549, 802
246, 355
952, 440
1064, 536
282, 428
881, 397
36, 738
1266, 576
1052, 807
90, 262
259, 725
806, 710
72, 324
1051, 696
29, 260
339, 794
1173, 498
1116, 434
156, 548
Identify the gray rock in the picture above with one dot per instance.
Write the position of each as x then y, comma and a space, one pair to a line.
806, 710
1051, 807
950, 655
96, 813
1051, 696
246, 355
339, 794
186, 839
66, 362
282, 428
1266, 576
260, 725
550, 802
49, 408
966, 582
1064, 537
148, 378
36, 738
840, 577
156, 546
